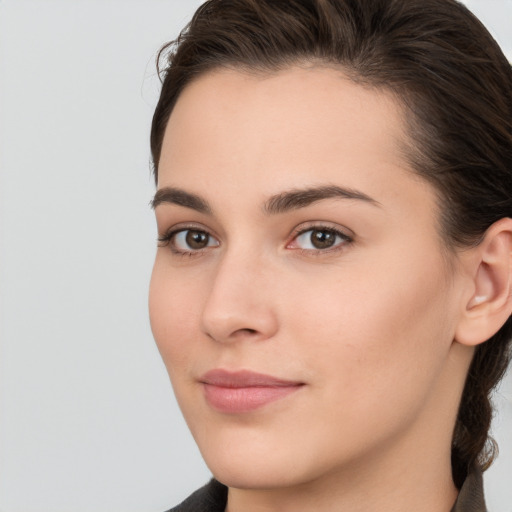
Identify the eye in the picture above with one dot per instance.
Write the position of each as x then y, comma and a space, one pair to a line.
187, 241
319, 239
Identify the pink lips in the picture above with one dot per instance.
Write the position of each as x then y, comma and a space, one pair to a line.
243, 391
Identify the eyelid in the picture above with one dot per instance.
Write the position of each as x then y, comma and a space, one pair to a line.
166, 238
344, 233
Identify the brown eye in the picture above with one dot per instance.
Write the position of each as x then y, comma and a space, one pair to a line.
191, 240
321, 239
196, 239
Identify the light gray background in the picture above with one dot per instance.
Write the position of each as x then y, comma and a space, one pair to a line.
87, 418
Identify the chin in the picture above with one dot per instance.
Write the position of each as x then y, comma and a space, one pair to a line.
262, 463
247, 461
260, 475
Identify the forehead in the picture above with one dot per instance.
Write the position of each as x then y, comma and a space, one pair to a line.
299, 113
244, 135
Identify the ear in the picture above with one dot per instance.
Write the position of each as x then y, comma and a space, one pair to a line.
489, 304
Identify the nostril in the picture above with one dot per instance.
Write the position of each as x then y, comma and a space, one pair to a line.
236, 335
248, 331
236, 320
245, 332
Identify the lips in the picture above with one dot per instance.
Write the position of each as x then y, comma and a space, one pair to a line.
244, 391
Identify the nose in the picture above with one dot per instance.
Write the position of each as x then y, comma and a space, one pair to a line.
240, 303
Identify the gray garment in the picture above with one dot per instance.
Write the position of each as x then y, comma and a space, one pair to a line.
213, 497
471, 496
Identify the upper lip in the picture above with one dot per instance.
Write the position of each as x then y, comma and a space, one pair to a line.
243, 379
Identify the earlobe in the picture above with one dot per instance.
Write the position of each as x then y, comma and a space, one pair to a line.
490, 305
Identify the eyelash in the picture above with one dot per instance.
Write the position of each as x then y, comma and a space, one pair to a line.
341, 240
168, 238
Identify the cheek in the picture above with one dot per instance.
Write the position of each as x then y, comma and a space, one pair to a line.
174, 317
378, 337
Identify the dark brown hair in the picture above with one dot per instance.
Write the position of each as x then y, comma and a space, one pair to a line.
456, 88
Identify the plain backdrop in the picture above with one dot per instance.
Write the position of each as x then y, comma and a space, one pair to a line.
87, 418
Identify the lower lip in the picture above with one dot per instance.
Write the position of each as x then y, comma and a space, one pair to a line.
240, 400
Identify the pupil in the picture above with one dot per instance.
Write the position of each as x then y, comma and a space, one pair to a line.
197, 239
322, 239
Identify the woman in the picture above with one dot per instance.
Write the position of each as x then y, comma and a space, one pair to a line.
332, 289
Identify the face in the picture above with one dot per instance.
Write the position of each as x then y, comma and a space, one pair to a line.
300, 297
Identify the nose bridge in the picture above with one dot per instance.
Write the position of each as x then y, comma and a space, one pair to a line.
239, 303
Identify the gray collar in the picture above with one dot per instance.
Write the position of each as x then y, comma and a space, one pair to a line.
471, 496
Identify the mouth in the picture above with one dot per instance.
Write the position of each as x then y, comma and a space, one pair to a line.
244, 391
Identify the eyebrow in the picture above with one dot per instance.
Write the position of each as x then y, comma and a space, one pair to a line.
300, 198
181, 198
280, 203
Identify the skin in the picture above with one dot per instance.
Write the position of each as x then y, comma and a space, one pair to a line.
367, 325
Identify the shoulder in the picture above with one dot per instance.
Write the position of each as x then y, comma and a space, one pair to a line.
210, 498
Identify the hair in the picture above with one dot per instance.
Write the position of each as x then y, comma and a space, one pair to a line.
455, 85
